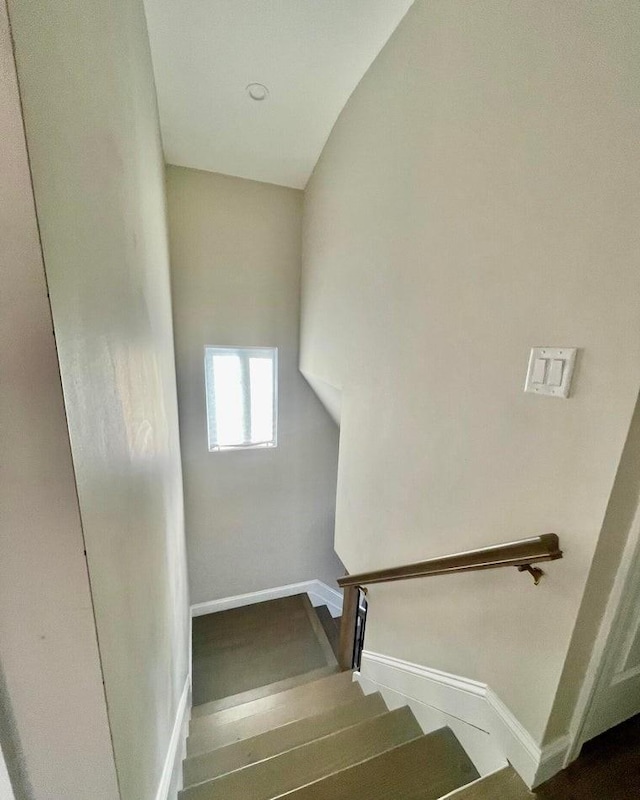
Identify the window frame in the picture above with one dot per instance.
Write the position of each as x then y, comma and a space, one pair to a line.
245, 353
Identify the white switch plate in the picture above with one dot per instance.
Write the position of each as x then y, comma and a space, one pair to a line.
550, 370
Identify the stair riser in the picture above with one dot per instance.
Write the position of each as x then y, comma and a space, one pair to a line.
263, 691
260, 723
324, 688
311, 762
423, 769
249, 751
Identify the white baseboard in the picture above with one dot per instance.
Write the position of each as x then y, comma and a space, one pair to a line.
176, 743
322, 595
486, 728
319, 593
553, 760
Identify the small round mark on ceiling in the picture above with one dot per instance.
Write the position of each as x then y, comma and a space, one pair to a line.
257, 91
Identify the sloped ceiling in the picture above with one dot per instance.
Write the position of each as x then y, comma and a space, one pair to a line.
310, 54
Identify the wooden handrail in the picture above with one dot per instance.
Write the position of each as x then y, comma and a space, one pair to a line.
521, 554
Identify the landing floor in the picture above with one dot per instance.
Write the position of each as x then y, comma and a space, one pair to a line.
243, 648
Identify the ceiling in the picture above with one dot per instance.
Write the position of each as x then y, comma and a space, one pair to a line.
310, 54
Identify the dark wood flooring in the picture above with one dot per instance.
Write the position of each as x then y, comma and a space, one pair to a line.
244, 648
608, 769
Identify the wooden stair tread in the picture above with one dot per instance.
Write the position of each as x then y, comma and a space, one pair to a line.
312, 761
323, 686
219, 733
503, 785
422, 769
214, 706
248, 751
330, 627
240, 649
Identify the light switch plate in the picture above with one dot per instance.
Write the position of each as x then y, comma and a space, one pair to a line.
550, 371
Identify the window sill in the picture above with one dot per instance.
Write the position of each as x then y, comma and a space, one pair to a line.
232, 447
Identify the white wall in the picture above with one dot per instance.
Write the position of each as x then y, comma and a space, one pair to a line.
54, 732
477, 197
92, 133
262, 518
6, 790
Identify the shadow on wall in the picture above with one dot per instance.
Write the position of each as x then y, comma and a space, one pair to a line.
330, 396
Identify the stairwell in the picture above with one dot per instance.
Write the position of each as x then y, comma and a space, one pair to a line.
316, 735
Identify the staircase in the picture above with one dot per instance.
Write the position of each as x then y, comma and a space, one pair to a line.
317, 736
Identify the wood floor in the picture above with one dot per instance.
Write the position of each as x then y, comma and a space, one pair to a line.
608, 769
243, 648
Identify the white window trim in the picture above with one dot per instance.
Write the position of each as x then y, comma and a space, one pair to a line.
249, 352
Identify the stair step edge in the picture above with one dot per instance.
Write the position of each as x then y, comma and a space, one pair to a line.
505, 784
315, 790
287, 736
327, 683
237, 730
386, 731
213, 706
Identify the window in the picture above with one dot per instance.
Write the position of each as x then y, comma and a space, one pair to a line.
242, 397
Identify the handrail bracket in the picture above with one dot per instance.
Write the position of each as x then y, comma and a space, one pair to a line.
535, 572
